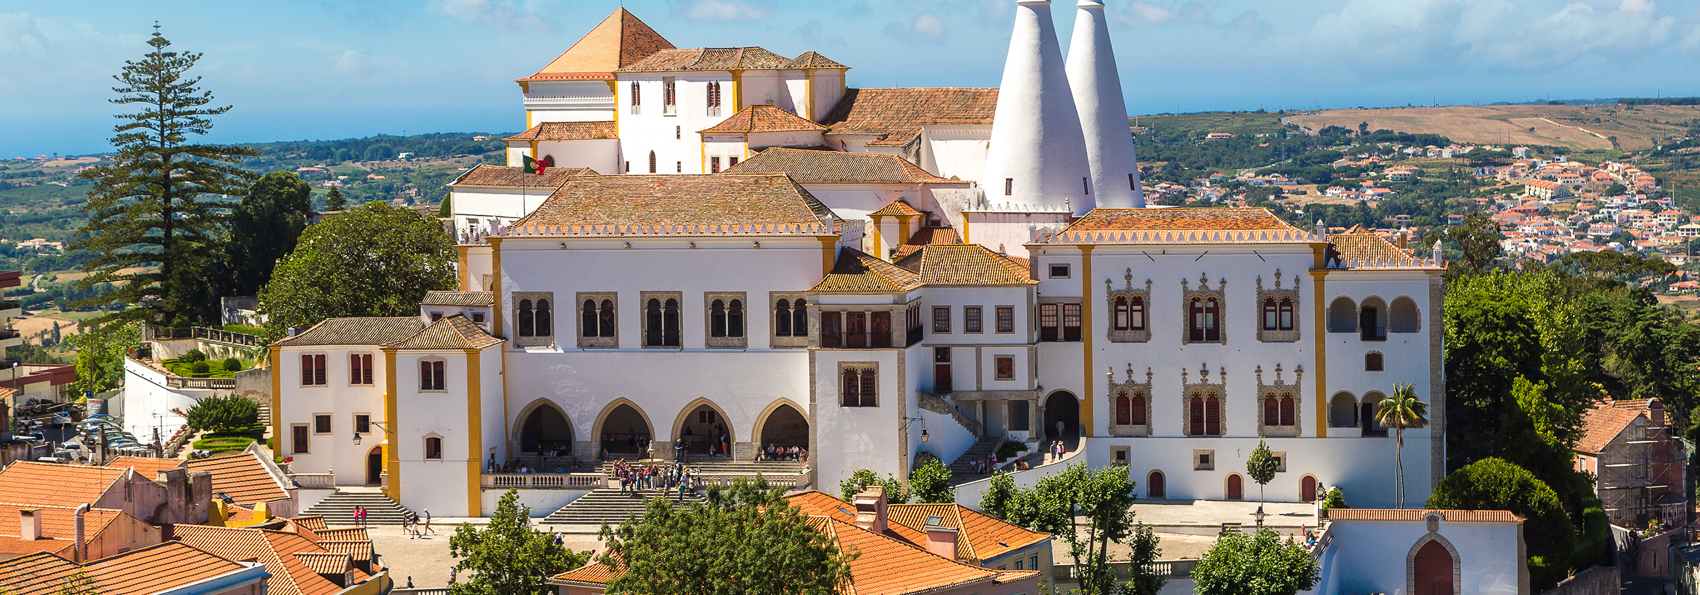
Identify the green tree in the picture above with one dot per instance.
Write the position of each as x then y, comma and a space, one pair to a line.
1494, 484
444, 210
1261, 466
1102, 498
1399, 411
745, 539
372, 260
223, 413
508, 556
1258, 564
862, 478
1143, 554
334, 200
155, 203
999, 495
100, 356
264, 227
1478, 237
79, 583
931, 483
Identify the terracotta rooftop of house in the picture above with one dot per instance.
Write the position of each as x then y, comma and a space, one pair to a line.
896, 208
344, 534
458, 298
158, 568
290, 576
699, 59
718, 203
895, 116
145, 467
1409, 514
762, 117
1359, 244
1605, 422
243, 477
813, 59
835, 167
59, 522
50, 484
562, 131
370, 330
860, 272
923, 237
38, 573
965, 265
326, 562
497, 176
1182, 219
359, 551
451, 332
979, 536
618, 41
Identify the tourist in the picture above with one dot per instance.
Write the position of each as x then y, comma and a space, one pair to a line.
410, 582
428, 524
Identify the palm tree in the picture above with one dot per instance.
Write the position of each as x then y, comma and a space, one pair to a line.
1400, 411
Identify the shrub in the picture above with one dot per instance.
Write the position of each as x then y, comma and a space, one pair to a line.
221, 444
931, 483
223, 413
1009, 449
1494, 484
200, 368
862, 477
194, 355
1335, 499
245, 329
232, 364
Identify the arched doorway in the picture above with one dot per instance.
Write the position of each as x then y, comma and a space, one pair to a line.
705, 430
545, 430
1062, 407
1154, 487
375, 466
1236, 487
784, 427
1432, 570
1307, 489
625, 431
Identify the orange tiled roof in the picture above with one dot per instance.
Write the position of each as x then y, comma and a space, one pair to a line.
156, 568
896, 208
1409, 514
313, 522
810, 166
35, 574
979, 536
618, 41
273, 548
1605, 422
344, 534
594, 574
359, 551
860, 272
242, 477
1362, 244
60, 522
326, 562
964, 265
895, 116
359, 330
453, 332
50, 484
685, 199
18, 547
145, 467
563, 131
813, 59
762, 117
926, 236
700, 59
497, 176
1181, 219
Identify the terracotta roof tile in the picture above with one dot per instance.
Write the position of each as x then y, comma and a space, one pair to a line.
593, 574
564, 131
1362, 244
458, 298
497, 176
359, 551
979, 536
895, 116
699, 59
355, 331
272, 548
345, 534
926, 236
451, 332
59, 522
619, 40
158, 568
1409, 514
835, 167
762, 117
242, 477
964, 265
1181, 219
311, 523
36, 574
859, 272
1604, 423
50, 484
813, 59
687, 199
145, 467
896, 208
326, 562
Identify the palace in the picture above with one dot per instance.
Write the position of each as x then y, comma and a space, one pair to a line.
737, 249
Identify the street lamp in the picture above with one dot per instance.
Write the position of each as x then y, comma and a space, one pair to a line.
380, 426
1259, 515
908, 420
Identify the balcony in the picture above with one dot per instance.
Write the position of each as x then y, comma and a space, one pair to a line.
10, 338
11, 308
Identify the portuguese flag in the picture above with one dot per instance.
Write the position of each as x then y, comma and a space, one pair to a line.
533, 166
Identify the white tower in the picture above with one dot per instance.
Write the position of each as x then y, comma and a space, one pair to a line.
1103, 115
1037, 153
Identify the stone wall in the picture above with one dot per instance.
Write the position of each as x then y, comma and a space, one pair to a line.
1599, 580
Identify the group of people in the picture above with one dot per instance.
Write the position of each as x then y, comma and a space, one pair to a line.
418, 526
984, 466
520, 466
638, 477
775, 452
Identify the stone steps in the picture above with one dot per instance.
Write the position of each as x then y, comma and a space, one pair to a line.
959, 469
338, 509
609, 505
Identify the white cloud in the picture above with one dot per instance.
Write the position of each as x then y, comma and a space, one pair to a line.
1141, 13
52, 53
499, 14
926, 28
722, 10
354, 63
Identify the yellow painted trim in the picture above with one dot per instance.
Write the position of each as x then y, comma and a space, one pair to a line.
965, 231
392, 458
465, 277
737, 90
1086, 400
1320, 313
528, 119
533, 150
277, 401
746, 156
878, 246
809, 94
828, 256
524, 87
496, 320
903, 229
474, 434
702, 150
614, 88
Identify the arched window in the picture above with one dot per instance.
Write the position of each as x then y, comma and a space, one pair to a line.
1154, 487
1195, 425
717, 319
1124, 409
587, 319
1138, 409
800, 318
527, 325
1286, 314
549, 161
1206, 314
1122, 313
782, 318
1236, 487
1136, 313
637, 96
1404, 317
652, 162
1271, 315
670, 323
652, 315
735, 318
607, 318
1271, 413
1342, 316
1288, 411
1213, 416
1343, 411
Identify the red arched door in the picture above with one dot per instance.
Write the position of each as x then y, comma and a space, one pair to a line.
1154, 485
1236, 487
1307, 489
1432, 570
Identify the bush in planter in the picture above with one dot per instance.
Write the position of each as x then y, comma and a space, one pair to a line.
1009, 449
232, 364
194, 355
200, 368
223, 413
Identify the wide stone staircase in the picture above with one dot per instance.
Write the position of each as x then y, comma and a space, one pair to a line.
338, 509
611, 505
959, 469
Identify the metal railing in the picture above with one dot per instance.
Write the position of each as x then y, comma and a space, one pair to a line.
201, 383
545, 481
314, 481
1181, 568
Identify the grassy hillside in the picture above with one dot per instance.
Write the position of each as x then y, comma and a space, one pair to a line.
1593, 127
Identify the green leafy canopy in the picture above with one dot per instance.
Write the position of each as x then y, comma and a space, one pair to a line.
508, 556
1255, 564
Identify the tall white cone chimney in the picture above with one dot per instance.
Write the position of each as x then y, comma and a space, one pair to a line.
1103, 115
1037, 154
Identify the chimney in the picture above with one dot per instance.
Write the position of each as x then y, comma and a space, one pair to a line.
941, 541
29, 524
1038, 152
1097, 90
1656, 412
870, 509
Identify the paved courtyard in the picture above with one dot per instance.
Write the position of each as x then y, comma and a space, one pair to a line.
427, 559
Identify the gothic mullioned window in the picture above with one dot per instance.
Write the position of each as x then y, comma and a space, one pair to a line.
1203, 309
661, 319
726, 320
858, 385
1129, 310
534, 323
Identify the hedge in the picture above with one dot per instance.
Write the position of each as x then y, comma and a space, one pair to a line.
1494, 484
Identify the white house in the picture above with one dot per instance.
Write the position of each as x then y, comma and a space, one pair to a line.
1422, 551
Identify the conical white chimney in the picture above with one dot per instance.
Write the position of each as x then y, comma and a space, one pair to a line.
1103, 115
1037, 153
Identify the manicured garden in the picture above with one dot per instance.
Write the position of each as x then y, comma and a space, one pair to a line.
195, 364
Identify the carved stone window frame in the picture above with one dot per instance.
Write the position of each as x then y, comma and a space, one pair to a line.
860, 368
597, 342
1204, 291
728, 341
1205, 389
798, 339
554, 318
1277, 293
1127, 291
678, 297
1132, 387
1203, 459
1281, 389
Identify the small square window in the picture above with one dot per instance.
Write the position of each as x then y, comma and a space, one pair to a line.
971, 319
1006, 319
1203, 460
1059, 271
434, 448
941, 319
1005, 365
1121, 454
362, 423
436, 316
322, 423
1372, 362
478, 317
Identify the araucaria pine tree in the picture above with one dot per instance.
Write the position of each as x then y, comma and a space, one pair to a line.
154, 211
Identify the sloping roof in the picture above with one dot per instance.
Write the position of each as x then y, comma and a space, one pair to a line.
325, 562
242, 477
593, 574
698, 59
1363, 244
896, 116
60, 522
273, 548
36, 574
964, 265
684, 199
813, 59
860, 272
359, 551
1604, 423
923, 237
145, 467
345, 534
1181, 219
450, 332
1409, 514
836, 167
497, 176
158, 568
979, 536
896, 208
562, 131
619, 40
371, 330
50, 484
762, 117
458, 298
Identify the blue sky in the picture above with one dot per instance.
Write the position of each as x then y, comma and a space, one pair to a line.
324, 69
